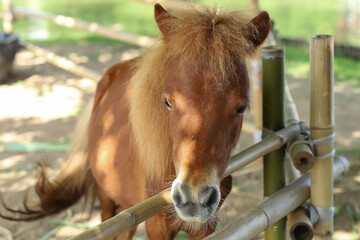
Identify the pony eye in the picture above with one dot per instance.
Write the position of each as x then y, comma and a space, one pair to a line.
240, 110
168, 104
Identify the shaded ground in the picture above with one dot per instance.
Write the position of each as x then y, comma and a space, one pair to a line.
41, 105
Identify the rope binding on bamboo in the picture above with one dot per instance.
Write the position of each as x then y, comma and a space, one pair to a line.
305, 137
318, 214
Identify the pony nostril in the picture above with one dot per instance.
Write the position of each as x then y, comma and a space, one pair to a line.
179, 194
211, 197
177, 200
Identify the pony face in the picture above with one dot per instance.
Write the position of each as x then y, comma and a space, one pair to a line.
205, 121
201, 55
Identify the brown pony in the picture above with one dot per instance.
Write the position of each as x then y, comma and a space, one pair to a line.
172, 115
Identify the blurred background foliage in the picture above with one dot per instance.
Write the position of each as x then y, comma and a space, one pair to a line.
293, 19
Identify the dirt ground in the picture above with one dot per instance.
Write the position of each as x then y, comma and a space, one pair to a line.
40, 104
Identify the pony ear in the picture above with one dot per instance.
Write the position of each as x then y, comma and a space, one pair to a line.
161, 15
263, 25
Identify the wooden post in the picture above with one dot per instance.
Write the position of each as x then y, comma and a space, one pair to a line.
273, 62
322, 126
8, 17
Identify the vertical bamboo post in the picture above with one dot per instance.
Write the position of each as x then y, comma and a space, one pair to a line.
321, 126
8, 17
256, 80
273, 119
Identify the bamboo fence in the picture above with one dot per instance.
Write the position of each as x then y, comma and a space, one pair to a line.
301, 154
270, 210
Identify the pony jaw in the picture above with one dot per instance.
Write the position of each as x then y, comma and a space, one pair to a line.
202, 218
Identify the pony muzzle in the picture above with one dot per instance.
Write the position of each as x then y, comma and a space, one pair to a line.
195, 204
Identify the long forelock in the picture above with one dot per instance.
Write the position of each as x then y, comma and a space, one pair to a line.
209, 37
197, 39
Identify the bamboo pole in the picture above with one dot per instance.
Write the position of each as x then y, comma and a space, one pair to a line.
127, 219
291, 174
302, 156
270, 210
255, 72
95, 28
290, 111
62, 62
273, 61
157, 203
300, 225
270, 143
321, 126
301, 153
8, 17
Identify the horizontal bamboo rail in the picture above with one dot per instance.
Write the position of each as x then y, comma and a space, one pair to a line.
62, 62
128, 218
270, 143
133, 216
302, 156
95, 28
257, 219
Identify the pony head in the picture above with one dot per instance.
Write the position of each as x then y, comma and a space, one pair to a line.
188, 97
206, 92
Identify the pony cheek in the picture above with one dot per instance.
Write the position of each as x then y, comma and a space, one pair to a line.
177, 163
177, 157
235, 129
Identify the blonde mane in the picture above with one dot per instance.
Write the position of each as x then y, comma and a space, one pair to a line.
196, 38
